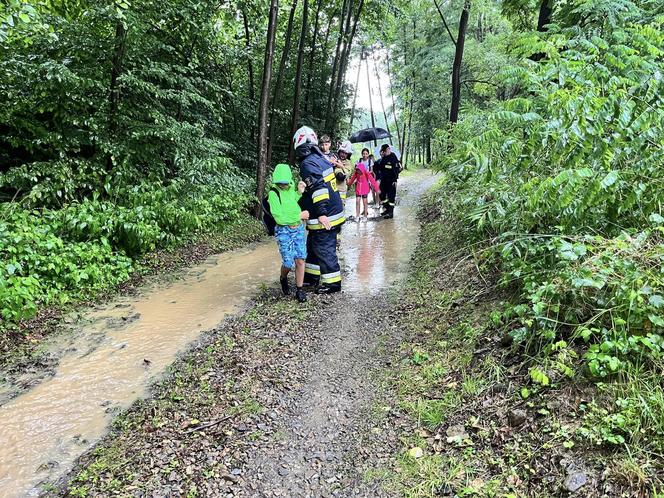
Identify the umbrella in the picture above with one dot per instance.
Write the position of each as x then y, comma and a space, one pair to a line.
369, 134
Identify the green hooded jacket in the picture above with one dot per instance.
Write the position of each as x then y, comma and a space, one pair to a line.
284, 207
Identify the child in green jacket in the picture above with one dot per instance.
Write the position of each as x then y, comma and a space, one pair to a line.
289, 231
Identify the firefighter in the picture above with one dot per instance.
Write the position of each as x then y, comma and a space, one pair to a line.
326, 213
387, 170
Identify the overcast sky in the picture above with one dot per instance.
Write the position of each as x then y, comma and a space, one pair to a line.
363, 92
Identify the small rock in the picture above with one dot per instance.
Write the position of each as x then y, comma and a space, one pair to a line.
456, 434
575, 481
283, 472
416, 452
517, 417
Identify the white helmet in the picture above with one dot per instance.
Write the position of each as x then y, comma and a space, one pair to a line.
304, 135
346, 147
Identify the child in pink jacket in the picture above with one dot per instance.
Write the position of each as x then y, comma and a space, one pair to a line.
365, 180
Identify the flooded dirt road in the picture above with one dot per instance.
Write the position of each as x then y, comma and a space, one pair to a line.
123, 346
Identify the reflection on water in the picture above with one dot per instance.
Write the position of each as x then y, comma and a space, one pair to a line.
129, 342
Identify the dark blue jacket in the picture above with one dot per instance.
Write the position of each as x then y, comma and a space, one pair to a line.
320, 197
388, 168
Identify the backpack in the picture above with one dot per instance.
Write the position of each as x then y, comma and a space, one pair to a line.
268, 220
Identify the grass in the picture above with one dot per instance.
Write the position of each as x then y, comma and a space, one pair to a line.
456, 374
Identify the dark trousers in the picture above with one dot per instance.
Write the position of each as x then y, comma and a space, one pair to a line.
322, 265
388, 194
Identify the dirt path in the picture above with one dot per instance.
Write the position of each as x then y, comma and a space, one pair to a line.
290, 390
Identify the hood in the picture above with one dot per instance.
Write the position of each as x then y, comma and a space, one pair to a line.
282, 174
305, 150
361, 167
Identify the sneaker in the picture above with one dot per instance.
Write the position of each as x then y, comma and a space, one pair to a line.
300, 295
365, 218
284, 285
329, 288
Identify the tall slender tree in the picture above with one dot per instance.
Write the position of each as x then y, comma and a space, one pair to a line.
263, 125
298, 77
394, 105
251, 86
312, 58
380, 95
114, 93
456, 65
280, 79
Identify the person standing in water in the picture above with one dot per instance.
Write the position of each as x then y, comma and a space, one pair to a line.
388, 169
285, 209
343, 168
326, 214
365, 183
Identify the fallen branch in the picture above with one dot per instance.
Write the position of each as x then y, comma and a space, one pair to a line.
209, 424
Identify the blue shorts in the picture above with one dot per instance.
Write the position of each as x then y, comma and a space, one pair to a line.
292, 244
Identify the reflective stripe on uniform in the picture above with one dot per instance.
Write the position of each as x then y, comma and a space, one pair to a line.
320, 195
388, 166
335, 220
312, 269
343, 195
328, 175
330, 278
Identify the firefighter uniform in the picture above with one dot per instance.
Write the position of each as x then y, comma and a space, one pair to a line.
320, 198
388, 171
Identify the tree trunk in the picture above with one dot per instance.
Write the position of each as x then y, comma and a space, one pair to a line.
357, 85
312, 55
335, 64
298, 78
410, 129
543, 20
280, 78
394, 105
114, 90
380, 94
316, 106
250, 68
338, 93
456, 66
429, 158
373, 120
263, 125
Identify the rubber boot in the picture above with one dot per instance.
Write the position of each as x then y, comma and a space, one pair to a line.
300, 295
284, 285
329, 288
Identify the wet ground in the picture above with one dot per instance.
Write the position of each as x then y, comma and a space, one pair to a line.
124, 346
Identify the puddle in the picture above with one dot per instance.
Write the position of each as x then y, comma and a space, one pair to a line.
127, 344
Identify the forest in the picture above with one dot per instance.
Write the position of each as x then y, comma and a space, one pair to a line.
133, 126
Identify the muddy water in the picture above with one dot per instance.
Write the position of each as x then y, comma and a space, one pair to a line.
123, 346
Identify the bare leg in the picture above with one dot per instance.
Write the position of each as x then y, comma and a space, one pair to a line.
299, 272
285, 271
365, 200
357, 207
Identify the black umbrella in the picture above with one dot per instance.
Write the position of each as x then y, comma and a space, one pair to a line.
369, 134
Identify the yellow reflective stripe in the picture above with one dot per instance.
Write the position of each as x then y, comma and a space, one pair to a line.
343, 195
329, 177
311, 271
322, 197
330, 278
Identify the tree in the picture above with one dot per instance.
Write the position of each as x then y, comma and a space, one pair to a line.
456, 66
298, 78
263, 124
280, 79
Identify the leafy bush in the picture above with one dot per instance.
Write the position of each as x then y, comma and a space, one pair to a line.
49, 256
565, 184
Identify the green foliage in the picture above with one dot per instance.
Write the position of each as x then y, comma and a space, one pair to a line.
49, 256
564, 180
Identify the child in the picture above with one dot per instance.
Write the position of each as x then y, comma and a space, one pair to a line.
374, 173
289, 230
365, 181
342, 169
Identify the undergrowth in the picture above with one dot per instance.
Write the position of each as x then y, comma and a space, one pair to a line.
497, 417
